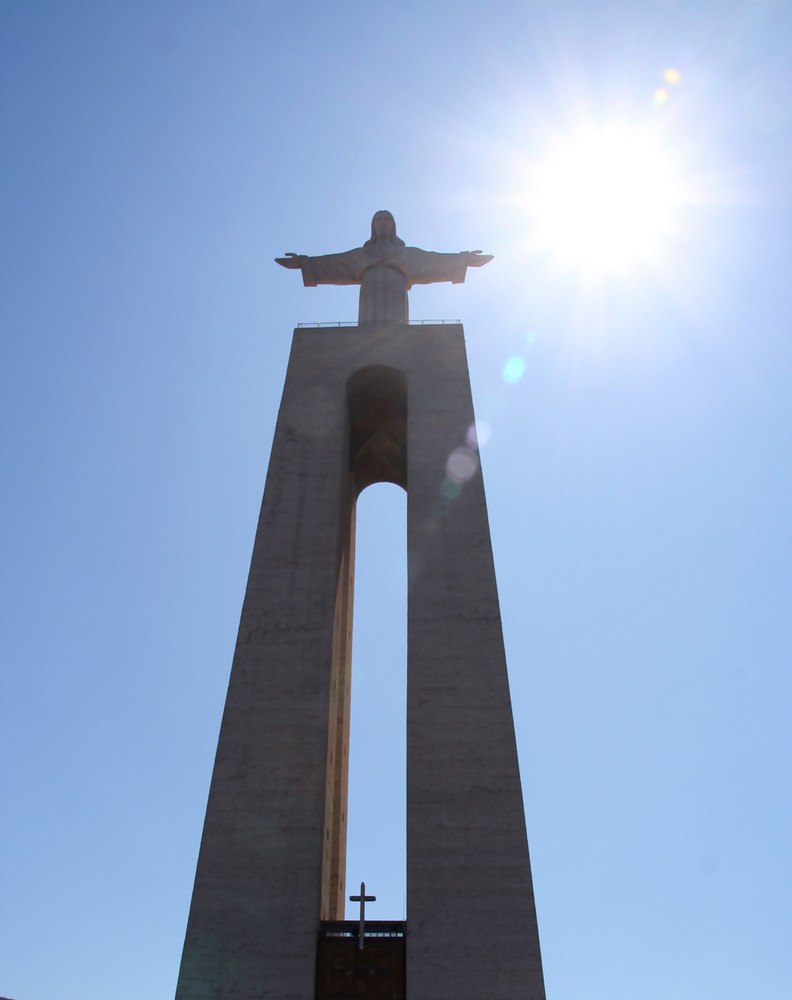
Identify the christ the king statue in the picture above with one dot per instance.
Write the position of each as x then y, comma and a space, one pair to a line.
385, 269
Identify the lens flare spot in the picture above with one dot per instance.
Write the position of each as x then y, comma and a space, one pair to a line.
450, 489
461, 465
660, 96
530, 337
672, 76
478, 434
514, 369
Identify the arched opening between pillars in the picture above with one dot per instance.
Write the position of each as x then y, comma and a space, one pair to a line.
377, 453
377, 795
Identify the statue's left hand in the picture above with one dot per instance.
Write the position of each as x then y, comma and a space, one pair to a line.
290, 260
477, 259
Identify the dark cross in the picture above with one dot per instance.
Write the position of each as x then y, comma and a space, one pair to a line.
362, 899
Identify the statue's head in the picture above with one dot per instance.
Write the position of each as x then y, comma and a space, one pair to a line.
383, 229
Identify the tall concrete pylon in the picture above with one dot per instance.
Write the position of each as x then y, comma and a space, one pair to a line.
378, 402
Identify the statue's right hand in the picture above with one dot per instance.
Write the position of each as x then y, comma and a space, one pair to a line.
290, 260
478, 259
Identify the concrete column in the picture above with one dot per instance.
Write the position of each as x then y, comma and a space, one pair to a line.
361, 405
471, 919
255, 909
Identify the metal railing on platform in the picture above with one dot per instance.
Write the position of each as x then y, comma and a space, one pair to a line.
412, 322
351, 928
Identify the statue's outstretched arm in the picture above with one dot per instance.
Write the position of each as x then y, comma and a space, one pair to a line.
477, 259
423, 267
329, 269
290, 260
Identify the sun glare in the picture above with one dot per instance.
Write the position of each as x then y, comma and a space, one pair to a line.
604, 200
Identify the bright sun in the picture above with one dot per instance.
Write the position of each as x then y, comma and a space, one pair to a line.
605, 199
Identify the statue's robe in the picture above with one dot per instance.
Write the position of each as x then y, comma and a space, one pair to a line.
385, 273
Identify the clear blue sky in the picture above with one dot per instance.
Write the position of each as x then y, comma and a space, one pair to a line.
155, 158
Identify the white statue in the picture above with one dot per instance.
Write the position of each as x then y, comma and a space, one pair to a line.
385, 269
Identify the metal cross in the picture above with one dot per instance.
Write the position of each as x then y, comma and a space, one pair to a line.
362, 899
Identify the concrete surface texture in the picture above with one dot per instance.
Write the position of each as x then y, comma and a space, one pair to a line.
386, 402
